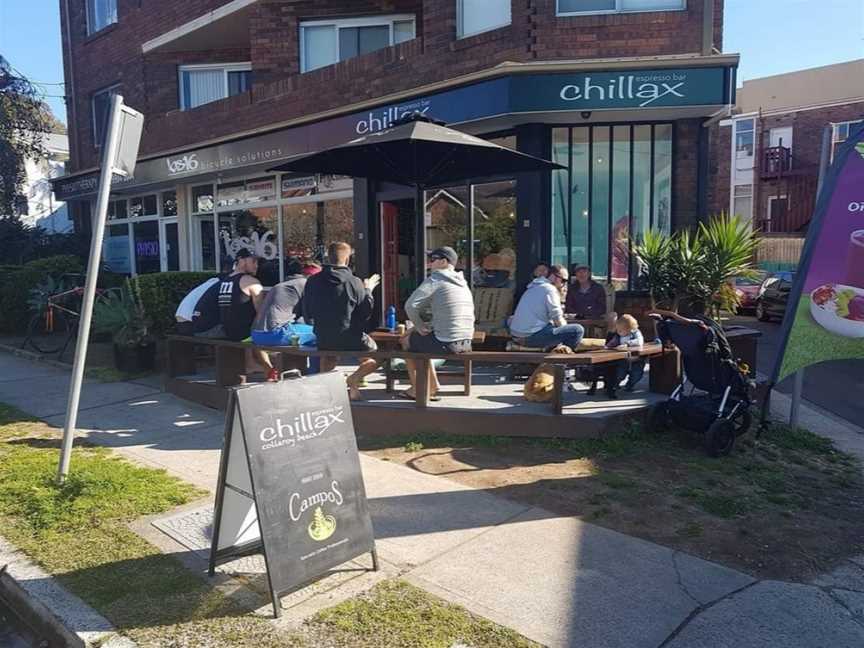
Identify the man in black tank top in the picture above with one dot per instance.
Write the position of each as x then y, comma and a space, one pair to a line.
240, 297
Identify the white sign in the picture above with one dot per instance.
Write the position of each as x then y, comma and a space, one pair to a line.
263, 245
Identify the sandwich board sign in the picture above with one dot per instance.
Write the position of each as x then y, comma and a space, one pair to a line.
290, 484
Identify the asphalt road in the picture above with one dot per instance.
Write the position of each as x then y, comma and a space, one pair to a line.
836, 386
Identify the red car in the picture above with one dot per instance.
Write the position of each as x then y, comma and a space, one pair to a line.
748, 291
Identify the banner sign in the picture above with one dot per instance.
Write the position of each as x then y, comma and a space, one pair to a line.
577, 91
290, 484
825, 314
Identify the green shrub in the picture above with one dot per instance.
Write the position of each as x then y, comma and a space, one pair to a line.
57, 265
15, 287
162, 292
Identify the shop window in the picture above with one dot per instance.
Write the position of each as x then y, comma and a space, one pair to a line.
115, 249
116, 209
575, 7
100, 14
617, 186
100, 105
201, 84
246, 192
478, 16
327, 42
146, 245
309, 228
202, 199
255, 229
169, 204
143, 206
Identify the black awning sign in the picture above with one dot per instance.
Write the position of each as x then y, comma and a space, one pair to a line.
290, 484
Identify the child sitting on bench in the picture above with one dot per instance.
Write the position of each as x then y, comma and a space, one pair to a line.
624, 334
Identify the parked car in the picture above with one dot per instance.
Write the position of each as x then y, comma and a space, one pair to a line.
747, 290
774, 295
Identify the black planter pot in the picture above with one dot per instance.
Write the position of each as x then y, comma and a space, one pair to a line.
135, 359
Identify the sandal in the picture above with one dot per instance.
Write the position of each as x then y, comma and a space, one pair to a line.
406, 396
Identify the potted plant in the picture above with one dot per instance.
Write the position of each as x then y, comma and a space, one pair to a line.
119, 311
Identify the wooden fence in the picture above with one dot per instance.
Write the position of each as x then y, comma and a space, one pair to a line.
779, 252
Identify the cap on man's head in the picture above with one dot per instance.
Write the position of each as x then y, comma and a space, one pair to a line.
245, 253
444, 253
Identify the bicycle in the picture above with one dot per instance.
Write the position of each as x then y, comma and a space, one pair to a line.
54, 324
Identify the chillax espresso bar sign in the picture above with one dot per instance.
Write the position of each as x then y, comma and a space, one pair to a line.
640, 89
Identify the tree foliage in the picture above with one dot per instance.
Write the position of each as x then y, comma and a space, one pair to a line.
24, 121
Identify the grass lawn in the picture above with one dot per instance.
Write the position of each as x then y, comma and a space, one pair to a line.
809, 342
788, 506
79, 532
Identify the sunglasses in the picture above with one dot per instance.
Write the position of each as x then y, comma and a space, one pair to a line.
436, 258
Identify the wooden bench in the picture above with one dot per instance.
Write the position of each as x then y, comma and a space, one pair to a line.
231, 361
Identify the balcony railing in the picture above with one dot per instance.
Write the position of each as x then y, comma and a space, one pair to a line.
776, 161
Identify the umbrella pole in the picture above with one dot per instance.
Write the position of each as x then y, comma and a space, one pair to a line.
420, 236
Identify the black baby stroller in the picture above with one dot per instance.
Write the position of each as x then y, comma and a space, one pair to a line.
718, 403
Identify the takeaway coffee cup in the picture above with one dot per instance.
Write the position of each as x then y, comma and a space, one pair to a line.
855, 260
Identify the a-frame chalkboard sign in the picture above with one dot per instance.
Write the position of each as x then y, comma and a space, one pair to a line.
290, 484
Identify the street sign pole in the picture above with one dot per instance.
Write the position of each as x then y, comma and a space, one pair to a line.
118, 156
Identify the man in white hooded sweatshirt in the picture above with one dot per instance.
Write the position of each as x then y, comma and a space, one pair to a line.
442, 311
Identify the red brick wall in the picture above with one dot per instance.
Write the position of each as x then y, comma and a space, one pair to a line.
280, 92
685, 199
719, 168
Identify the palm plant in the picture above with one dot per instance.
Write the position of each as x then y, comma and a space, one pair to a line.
730, 246
653, 254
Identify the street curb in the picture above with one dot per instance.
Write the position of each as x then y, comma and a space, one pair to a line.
49, 608
34, 357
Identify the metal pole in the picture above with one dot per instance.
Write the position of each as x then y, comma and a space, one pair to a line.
798, 386
109, 153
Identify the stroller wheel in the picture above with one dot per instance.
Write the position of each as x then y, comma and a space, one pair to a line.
659, 420
720, 438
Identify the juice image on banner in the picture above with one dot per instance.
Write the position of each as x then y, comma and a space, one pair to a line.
855, 260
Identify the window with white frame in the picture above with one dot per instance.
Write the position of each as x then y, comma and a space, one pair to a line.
325, 42
478, 16
100, 14
745, 130
576, 7
100, 104
841, 132
742, 202
201, 84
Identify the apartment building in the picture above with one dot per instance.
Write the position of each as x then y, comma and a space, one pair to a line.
766, 156
619, 91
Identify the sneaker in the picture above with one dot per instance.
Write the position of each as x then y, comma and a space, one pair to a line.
272, 375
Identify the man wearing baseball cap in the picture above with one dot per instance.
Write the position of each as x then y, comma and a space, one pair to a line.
442, 311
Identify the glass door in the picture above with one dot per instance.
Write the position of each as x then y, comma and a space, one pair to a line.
170, 246
398, 254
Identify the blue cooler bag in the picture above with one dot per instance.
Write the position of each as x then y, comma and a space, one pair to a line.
282, 336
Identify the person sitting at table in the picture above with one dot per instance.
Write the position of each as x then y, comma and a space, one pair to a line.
283, 303
586, 299
539, 318
340, 305
442, 312
624, 336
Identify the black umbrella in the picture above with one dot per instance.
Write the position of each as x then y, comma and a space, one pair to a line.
419, 152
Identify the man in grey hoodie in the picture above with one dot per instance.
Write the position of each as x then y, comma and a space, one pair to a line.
539, 317
442, 311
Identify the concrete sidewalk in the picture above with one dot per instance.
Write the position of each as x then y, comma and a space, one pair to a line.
557, 580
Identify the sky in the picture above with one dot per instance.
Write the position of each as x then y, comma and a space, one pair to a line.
772, 36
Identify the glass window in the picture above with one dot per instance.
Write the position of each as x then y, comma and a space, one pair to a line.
100, 14
743, 202
328, 42
600, 205
566, 7
201, 84
308, 228
101, 106
206, 241
447, 221
142, 206
661, 215
618, 186
255, 229
115, 249
841, 132
169, 203
202, 199
744, 137
116, 209
172, 247
245, 192
477, 16
147, 252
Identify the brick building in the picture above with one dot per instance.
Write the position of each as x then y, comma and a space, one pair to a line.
765, 158
617, 90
